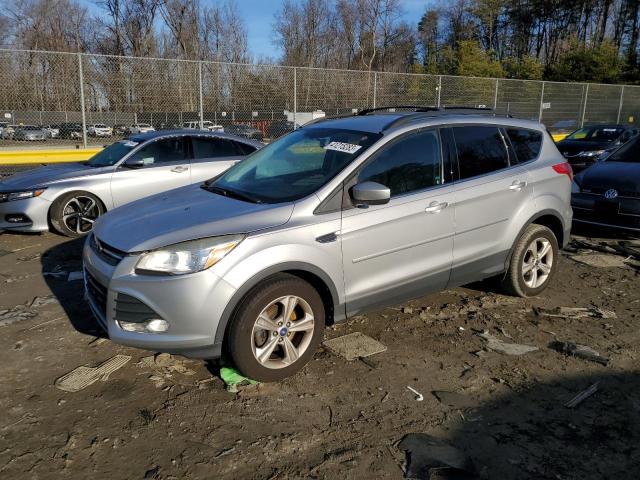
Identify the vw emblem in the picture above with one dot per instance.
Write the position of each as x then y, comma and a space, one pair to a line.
611, 194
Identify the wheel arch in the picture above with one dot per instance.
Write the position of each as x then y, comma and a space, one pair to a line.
311, 274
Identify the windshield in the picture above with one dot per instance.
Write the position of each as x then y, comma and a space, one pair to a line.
607, 134
295, 165
30, 127
112, 154
629, 152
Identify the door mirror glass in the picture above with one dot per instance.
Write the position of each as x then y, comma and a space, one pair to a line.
136, 162
370, 193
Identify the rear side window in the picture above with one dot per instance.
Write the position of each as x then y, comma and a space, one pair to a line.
213, 148
481, 150
526, 143
411, 163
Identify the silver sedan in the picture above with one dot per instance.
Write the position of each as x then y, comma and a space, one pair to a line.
70, 197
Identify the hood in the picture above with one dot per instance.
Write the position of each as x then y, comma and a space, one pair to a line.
569, 148
621, 176
49, 174
184, 214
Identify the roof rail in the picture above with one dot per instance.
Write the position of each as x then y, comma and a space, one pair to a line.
443, 111
415, 108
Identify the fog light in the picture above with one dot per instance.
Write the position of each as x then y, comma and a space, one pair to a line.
16, 218
156, 325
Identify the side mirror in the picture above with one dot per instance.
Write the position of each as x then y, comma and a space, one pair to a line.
370, 193
134, 163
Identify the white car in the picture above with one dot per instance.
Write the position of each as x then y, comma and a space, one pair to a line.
141, 128
206, 125
51, 131
99, 130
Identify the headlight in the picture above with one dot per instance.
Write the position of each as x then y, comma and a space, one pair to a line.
593, 153
188, 257
11, 196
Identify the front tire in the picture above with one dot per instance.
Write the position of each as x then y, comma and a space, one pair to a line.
276, 329
74, 213
534, 262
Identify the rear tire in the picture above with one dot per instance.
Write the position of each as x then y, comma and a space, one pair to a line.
74, 213
534, 262
276, 329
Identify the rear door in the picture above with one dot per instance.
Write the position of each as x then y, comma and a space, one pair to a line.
401, 249
166, 165
212, 156
490, 189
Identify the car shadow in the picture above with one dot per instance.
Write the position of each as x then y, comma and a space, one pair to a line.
57, 262
529, 432
602, 233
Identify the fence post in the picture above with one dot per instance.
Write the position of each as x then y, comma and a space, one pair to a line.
375, 87
584, 107
541, 103
201, 105
295, 95
84, 118
439, 88
620, 104
495, 98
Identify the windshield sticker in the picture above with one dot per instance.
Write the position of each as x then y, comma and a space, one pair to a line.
129, 143
343, 147
610, 129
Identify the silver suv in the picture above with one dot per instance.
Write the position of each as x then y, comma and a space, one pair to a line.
335, 218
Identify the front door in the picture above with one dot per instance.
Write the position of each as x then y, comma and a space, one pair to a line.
165, 166
402, 249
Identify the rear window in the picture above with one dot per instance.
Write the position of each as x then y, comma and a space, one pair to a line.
481, 150
526, 143
629, 152
213, 148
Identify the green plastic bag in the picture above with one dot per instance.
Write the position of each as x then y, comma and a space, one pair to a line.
234, 379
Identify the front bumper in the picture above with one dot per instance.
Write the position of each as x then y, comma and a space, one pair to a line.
191, 304
621, 213
35, 210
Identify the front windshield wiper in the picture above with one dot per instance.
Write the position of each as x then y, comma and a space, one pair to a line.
225, 192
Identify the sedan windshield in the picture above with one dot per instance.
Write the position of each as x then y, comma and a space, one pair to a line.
629, 152
606, 134
112, 154
294, 166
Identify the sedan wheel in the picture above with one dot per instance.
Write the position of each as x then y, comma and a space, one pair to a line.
74, 214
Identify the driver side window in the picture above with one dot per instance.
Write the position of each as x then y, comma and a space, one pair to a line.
409, 164
167, 150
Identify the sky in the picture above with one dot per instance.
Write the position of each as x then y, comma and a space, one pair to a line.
259, 16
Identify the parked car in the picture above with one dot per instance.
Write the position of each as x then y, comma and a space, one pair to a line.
140, 128
606, 194
8, 131
244, 131
99, 130
584, 146
29, 133
121, 130
3, 125
71, 197
561, 129
71, 130
206, 125
340, 216
278, 128
51, 131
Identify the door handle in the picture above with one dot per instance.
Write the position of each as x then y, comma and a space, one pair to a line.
517, 186
436, 207
179, 169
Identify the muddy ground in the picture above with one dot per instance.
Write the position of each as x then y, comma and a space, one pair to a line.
172, 418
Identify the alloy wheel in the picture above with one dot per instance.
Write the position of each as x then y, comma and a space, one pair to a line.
537, 262
282, 332
80, 213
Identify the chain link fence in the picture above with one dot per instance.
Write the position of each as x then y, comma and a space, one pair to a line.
69, 99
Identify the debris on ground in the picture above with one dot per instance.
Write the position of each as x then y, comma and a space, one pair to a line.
453, 399
581, 351
354, 346
576, 312
56, 272
427, 455
234, 380
497, 345
578, 399
43, 300
418, 396
81, 377
15, 314
602, 260
164, 365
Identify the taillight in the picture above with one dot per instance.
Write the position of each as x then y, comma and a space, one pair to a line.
564, 168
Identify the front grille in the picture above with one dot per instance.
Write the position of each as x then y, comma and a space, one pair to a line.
107, 253
621, 193
97, 293
130, 309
